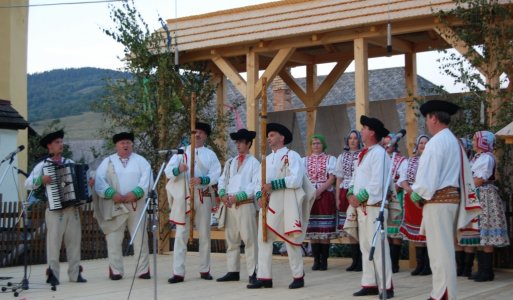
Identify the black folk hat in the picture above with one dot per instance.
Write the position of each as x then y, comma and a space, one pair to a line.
438, 105
243, 134
123, 136
47, 139
375, 125
281, 130
205, 127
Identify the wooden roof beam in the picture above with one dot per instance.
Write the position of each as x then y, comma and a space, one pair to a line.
450, 37
231, 73
297, 57
330, 48
332, 37
330, 80
293, 85
273, 68
397, 44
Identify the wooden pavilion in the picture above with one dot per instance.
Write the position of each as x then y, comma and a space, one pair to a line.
276, 36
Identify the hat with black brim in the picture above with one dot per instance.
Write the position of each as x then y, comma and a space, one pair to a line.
123, 136
243, 134
375, 125
281, 130
205, 127
438, 105
47, 139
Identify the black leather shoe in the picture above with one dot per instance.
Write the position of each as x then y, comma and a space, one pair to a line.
260, 284
81, 279
390, 294
145, 275
206, 276
230, 276
252, 278
297, 283
367, 291
115, 276
51, 279
175, 279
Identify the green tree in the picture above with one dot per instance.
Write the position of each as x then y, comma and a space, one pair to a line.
154, 102
484, 32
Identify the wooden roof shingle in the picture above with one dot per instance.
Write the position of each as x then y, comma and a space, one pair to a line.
10, 118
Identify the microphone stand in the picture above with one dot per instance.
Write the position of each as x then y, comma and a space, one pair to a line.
17, 288
380, 227
151, 202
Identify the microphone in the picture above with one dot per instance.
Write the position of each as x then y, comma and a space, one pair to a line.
12, 154
171, 151
397, 138
21, 172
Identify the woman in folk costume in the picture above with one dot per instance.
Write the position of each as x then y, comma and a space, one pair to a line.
320, 169
347, 214
493, 227
410, 226
395, 218
465, 248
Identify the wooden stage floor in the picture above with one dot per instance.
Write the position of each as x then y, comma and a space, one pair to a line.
335, 283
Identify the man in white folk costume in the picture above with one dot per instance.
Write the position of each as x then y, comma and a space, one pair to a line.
291, 196
61, 224
207, 170
122, 183
448, 206
237, 188
366, 194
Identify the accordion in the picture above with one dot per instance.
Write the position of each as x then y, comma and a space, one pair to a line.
68, 186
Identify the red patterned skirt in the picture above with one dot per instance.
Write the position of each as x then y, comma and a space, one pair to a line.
322, 222
410, 226
342, 211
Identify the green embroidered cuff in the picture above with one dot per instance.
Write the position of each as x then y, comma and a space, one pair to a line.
38, 181
362, 195
176, 171
205, 180
241, 196
415, 197
278, 184
138, 192
258, 195
350, 191
109, 193
222, 192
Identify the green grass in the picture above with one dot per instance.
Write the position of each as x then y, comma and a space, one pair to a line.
81, 127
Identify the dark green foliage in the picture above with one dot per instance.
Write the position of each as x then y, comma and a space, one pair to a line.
154, 102
64, 92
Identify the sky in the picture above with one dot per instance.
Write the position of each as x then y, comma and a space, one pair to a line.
70, 36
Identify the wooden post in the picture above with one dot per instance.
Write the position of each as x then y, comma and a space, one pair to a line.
410, 73
361, 79
263, 152
221, 95
251, 101
192, 164
311, 113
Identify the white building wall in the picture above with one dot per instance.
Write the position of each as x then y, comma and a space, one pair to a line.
10, 186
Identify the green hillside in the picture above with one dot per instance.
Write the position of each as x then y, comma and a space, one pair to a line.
66, 92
